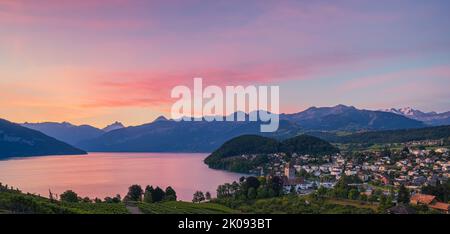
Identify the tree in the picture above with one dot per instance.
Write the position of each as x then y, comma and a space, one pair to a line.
342, 188
148, 195
292, 190
108, 199
86, 200
276, 185
198, 197
373, 197
171, 195
321, 192
353, 194
262, 193
441, 190
158, 195
135, 193
385, 203
252, 182
97, 200
50, 195
363, 197
208, 196
303, 173
251, 193
405, 150
69, 196
117, 199
403, 195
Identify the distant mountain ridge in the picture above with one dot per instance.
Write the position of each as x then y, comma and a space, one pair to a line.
349, 118
431, 118
66, 132
18, 141
166, 135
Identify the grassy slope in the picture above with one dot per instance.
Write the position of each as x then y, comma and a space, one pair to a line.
357, 204
16, 202
303, 205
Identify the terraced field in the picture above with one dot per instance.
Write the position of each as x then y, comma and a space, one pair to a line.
97, 208
179, 207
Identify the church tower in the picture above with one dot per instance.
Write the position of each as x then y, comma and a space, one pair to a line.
289, 171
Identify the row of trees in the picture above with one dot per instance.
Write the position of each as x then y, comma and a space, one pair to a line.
71, 196
150, 195
251, 188
135, 193
200, 197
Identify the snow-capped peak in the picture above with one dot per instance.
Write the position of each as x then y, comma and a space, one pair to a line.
407, 111
114, 126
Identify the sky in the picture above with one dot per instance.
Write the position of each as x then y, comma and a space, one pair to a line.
99, 61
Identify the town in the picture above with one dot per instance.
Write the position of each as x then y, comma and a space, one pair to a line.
413, 166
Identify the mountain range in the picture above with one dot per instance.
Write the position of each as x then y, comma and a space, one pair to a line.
16, 140
66, 132
164, 135
349, 118
203, 136
430, 118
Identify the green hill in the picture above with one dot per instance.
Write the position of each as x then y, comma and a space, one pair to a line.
247, 144
227, 156
305, 144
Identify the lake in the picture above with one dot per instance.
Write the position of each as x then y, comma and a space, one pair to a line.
107, 174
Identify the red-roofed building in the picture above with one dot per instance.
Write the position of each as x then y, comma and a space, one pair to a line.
422, 199
430, 201
444, 207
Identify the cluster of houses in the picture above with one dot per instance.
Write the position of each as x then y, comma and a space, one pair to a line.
413, 169
410, 167
439, 142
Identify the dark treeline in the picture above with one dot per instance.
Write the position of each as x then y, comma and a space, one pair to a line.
389, 136
249, 189
253, 144
150, 194
440, 190
135, 193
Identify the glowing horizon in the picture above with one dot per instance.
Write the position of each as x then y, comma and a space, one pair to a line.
100, 61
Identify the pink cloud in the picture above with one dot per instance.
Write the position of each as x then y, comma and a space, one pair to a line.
374, 80
33, 13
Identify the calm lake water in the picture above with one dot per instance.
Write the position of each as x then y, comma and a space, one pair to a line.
108, 174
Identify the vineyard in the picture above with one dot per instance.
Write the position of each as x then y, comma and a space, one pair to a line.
179, 207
